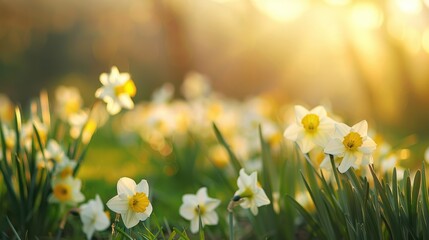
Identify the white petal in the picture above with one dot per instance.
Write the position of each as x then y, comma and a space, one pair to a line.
117, 204
99, 92
130, 218
367, 159
326, 163
254, 210
306, 144
210, 218
126, 186
113, 107
261, 198
149, 210
126, 101
347, 162
321, 138
143, 187
319, 111
361, 128
104, 79
89, 230
335, 147
190, 199
202, 195
114, 71
368, 146
102, 222
211, 204
292, 132
341, 130
243, 180
300, 113
187, 211
195, 225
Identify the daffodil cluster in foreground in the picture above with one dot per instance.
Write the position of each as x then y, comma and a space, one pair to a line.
351, 145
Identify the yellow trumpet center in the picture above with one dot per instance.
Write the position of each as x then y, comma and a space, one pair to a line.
67, 171
138, 202
62, 192
310, 122
352, 141
128, 88
200, 210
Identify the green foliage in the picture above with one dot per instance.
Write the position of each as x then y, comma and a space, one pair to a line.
354, 208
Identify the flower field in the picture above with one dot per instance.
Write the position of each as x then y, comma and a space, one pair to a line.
197, 167
214, 119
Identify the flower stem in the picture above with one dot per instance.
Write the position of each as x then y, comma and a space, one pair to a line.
231, 225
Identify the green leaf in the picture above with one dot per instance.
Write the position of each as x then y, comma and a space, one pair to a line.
234, 160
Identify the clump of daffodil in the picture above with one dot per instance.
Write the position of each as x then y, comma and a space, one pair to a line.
199, 205
352, 144
312, 128
93, 217
117, 90
66, 191
132, 201
249, 193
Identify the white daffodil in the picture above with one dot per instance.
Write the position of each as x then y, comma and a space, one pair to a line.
66, 191
352, 144
65, 168
132, 201
93, 217
68, 101
117, 90
195, 86
250, 193
199, 205
312, 128
54, 151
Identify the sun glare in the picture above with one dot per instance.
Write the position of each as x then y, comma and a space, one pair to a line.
282, 10
366, 15
409, 6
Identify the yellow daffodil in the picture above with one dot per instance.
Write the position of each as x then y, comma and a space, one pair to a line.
93, 217
132, 201
199, 205
117, 90
312, 128
250, 193
352, 144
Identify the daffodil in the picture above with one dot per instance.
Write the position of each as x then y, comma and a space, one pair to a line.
195, 86
250, 193
132, 201
312, 128
65, 168
54, 151
352, 144
199, 205
93, 217
66, 191
68, 101
117, 90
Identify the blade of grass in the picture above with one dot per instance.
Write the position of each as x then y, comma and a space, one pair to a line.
234, 160
13, 229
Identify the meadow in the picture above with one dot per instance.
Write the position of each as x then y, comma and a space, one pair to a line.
201, 166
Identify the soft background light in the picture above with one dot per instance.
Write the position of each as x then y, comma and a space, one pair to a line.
367, 59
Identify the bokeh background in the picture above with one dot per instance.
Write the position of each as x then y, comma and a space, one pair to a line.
367, 59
